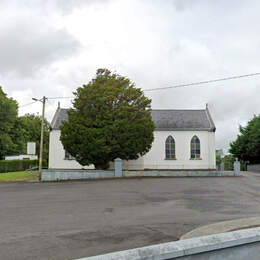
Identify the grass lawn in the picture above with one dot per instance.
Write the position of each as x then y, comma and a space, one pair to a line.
19, 176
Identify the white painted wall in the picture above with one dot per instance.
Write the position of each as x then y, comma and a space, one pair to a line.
155, 158
57, 154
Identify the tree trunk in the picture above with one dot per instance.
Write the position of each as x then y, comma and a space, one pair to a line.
104, 166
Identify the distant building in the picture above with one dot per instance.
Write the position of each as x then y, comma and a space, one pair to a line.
183, 139
31, 148
21, 157
31, 153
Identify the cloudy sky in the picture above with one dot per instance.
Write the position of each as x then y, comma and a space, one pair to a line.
51, 47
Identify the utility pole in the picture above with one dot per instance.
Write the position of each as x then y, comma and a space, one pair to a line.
42, 134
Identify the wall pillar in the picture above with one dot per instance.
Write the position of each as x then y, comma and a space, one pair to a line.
118, 167
222, 166
237, 168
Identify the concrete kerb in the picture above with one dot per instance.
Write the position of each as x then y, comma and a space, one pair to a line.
188, 247
222, 227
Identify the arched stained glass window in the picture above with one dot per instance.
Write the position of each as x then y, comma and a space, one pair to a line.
170, 148
195, 147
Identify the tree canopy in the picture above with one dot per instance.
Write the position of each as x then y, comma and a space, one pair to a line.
110, 118
247, 145
16, 131
29, 129
8, 116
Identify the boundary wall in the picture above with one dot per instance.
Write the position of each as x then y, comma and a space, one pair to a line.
62, 175
253, 167
118, 172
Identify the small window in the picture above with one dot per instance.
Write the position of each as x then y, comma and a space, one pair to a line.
68, 156
195, 147
170, 148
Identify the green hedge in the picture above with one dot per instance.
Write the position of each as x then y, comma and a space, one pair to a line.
19, 165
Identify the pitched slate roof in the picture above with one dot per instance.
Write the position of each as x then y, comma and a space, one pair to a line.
60, 116
165, 120
184, 120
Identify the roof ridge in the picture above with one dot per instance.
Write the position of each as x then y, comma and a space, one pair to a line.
161, 109
178, 109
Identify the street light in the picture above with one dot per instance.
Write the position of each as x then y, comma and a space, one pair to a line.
42, 128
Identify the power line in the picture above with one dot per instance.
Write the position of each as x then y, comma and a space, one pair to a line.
28, 104
46, 98
174, 86
58, 97
205, 82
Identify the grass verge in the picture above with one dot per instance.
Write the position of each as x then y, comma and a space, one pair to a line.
19, 176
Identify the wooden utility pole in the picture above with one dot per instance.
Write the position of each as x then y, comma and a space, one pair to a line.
42, 134
43, 100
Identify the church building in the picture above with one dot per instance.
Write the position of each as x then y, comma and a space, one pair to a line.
183, 140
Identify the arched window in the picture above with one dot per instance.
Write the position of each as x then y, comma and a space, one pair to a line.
195, 147
170, 148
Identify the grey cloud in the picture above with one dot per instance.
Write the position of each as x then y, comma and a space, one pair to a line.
28, 44
155, 43
69, 5
51, 6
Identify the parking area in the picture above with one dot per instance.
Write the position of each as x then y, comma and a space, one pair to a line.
76, 219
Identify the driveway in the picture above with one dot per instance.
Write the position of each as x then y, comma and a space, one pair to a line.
76, 219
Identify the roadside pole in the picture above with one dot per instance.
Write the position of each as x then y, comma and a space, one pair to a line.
42, 134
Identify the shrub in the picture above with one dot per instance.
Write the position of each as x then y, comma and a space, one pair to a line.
18, 165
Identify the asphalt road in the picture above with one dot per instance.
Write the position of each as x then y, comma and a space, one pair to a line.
76, 219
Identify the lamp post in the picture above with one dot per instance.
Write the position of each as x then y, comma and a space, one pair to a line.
42, 129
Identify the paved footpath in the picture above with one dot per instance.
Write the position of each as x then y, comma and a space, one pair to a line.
76, 219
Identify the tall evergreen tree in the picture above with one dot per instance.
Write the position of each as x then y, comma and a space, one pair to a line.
110, 118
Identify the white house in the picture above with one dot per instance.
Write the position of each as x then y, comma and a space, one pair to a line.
31, 153
183, 139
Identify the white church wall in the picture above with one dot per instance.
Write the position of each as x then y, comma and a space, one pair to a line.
212, 150
57, 154
155, 158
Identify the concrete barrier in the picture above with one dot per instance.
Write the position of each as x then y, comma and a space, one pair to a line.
237, 245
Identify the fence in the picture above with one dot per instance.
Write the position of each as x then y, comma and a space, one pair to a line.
17, 165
